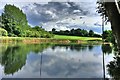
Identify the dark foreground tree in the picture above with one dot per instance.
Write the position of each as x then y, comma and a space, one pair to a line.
111, 13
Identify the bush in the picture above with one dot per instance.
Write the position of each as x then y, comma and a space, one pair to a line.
3, 32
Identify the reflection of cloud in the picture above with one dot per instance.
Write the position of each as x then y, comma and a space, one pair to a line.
62, 62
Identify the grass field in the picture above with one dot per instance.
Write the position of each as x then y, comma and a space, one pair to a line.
76, 38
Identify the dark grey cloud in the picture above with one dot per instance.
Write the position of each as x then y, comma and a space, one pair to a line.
52, 11
62, 15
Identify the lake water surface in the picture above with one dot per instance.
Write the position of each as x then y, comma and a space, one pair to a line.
54, 60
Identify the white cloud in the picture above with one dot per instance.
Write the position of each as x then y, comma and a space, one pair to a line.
86, 22
75, 11
51, 13
48, 26
62, 15
107, 26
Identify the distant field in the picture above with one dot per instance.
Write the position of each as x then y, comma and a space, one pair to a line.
55, 37
76, 38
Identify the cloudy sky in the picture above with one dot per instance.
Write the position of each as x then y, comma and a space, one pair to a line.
63, 15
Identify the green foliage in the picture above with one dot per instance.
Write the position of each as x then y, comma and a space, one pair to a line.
102, 10
91, 33
3, 32
114, 68
38, 32
14, 21
14, 57
76, 32
108, 36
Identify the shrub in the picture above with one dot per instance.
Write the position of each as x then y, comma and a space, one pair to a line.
3, 32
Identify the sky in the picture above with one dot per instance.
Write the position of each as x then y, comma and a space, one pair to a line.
61, 15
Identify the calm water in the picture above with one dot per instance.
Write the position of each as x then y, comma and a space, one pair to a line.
54, 61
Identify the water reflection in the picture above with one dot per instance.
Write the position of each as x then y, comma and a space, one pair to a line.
56, 60
14, 57
113, 66
76, 47
113, 63
106, 49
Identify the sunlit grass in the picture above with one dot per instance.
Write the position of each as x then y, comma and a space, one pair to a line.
75, 38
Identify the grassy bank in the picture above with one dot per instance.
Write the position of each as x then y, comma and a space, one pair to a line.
55, 39
77, 38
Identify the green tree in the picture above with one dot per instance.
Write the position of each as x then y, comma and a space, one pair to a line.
114, 68
84, 33
3, 32
108, 36
53, 30
91, 33
14, 20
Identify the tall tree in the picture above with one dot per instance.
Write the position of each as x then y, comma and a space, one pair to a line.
91, 33
14, 20
111, 13
53, 30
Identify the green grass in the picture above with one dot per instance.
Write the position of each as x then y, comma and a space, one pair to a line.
56, 38
76, 38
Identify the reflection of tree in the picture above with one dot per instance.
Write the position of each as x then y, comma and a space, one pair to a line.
14, 57
114, 68
77, 47
90, 47
106, 48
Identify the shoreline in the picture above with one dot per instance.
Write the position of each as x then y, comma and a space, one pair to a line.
30, 40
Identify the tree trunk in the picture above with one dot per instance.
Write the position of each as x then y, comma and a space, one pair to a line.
114, 18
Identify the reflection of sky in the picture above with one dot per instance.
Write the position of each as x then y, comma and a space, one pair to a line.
62, 62
1, 71
108, 58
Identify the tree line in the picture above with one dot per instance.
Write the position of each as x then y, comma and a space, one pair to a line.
76, 32
14, 22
